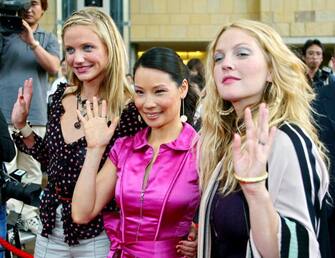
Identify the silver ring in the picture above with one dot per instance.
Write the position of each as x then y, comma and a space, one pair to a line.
262, 143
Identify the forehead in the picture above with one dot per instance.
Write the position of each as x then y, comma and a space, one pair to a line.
314, 48
151, 77
81, 33
235, 36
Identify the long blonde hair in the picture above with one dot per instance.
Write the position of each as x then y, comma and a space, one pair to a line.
288, 98
114, 87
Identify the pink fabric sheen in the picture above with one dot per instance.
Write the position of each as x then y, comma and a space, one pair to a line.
170, 199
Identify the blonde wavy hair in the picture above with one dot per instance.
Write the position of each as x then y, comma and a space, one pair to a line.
114, 87
288, 98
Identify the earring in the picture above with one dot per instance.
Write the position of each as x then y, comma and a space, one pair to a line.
226, 112
139, 118
183, 117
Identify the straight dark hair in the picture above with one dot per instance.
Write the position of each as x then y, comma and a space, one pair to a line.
168, 61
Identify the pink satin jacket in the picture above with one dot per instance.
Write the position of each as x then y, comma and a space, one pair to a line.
152, 221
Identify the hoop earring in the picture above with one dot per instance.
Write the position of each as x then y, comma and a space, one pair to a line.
226, 112
183, 117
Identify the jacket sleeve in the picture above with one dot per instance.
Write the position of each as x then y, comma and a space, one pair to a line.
298, 182
38, 151
7, 148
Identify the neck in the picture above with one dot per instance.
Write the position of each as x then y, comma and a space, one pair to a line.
312, 72
33, 26
88, 92
165, 134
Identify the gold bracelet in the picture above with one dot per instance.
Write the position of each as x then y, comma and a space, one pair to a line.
249, 180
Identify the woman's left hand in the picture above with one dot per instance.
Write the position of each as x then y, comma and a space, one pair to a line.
97, 132
188, 248
251, 162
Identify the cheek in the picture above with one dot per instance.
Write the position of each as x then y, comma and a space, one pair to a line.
69, 60
138, 102
217, 75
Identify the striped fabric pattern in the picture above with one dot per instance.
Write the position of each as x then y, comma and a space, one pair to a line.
298, 183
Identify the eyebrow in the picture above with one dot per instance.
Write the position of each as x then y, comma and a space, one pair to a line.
235, 46
155, 87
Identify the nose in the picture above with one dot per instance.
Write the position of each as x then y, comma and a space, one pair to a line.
28, 9
78, 57
149, 102
227, 63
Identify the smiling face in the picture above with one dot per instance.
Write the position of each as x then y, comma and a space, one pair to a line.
85, 54
240, 69
158, 97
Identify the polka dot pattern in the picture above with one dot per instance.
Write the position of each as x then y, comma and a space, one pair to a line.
63, 163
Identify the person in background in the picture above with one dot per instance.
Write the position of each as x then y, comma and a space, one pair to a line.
197, 72
33, 53
62, 78
7, 153
325, 120
262, 170
97, 64
332, 61
150, 172
312, 55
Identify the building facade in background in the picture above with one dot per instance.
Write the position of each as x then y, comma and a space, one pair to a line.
188, 25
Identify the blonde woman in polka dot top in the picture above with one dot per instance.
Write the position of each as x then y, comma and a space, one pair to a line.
96, 58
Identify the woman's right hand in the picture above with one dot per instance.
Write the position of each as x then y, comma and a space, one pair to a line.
22, 105
97, 132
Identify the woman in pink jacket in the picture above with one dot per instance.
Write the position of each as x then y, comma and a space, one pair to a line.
153, 174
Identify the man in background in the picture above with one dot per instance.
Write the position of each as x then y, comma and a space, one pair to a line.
313, 51
32, 53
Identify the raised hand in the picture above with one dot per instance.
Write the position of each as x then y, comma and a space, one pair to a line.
22, 105
97, 132
27, 33
250, 163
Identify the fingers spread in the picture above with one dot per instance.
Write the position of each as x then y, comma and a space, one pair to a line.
104, 109
95, 107
88, 110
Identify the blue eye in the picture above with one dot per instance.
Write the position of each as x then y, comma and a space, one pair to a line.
88, 48
69, 50
218, 57
242, 52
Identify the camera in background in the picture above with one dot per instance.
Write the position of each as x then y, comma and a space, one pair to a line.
10, 10
11, 187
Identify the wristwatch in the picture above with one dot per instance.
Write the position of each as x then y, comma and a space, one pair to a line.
24, 131
34, 45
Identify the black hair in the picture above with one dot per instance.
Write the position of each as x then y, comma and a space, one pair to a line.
168, 61
312, 42
195, 63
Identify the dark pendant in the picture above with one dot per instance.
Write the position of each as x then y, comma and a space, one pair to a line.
77, 125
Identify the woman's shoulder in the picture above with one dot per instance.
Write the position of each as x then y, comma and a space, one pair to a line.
292, 134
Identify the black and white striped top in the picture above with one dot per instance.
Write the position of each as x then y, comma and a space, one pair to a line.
298, 183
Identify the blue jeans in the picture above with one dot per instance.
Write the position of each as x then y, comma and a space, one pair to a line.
3, 227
